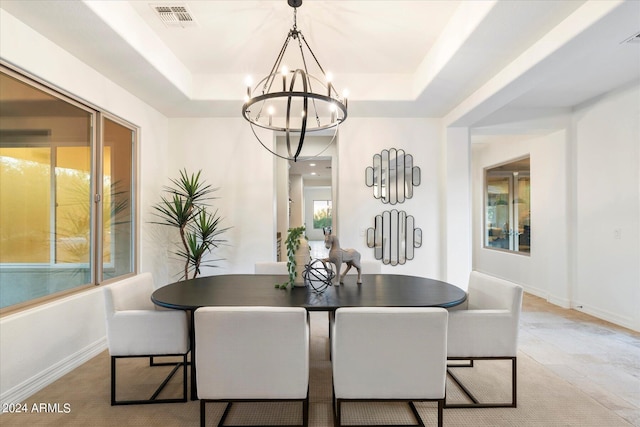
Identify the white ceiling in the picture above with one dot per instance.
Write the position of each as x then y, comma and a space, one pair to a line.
460, 60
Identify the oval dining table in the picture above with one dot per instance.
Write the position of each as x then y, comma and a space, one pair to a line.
376, 290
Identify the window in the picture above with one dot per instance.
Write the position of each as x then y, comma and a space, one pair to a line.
507, 207
321, 214
118, 204
66, 193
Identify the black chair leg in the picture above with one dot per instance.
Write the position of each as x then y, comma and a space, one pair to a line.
475, 402
154, 397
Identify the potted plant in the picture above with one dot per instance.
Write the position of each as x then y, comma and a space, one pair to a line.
298, 255
185, 207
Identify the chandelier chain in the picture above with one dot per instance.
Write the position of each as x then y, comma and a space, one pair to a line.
269, 82
314, 55
319, 66
295, 18
304, 64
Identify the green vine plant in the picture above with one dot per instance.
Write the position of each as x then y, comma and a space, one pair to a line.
292, 243
185, 207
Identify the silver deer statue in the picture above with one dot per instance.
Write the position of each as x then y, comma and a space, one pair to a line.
337, 256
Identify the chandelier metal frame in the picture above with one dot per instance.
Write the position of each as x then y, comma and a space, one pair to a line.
301, 88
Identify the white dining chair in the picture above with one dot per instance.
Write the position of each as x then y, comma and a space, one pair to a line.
486, 330
279, 268
252, 354
389, 354
135, 328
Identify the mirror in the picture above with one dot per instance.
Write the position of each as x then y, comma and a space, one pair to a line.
392, 176
394, 237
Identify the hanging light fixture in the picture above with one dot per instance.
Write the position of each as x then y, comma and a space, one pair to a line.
294, 101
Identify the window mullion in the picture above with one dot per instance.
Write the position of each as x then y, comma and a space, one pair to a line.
98, 197
53, 200
516, 215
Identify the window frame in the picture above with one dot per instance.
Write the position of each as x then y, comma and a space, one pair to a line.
96, 146
513, 196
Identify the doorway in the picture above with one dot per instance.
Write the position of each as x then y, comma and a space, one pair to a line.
305, 194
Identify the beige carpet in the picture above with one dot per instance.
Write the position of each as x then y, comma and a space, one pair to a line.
543, 399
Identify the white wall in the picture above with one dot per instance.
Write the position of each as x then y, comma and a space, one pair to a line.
456, 206
39, 345
585, 201
607, 144
545, 271
230, 158
360, 139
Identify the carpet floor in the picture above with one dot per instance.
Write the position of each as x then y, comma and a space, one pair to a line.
81, 398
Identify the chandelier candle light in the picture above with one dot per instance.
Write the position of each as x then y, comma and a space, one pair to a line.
309, 103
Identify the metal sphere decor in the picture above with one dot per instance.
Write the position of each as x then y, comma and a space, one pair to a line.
318, 274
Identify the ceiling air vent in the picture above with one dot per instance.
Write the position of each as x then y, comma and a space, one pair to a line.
176, 15
633, 39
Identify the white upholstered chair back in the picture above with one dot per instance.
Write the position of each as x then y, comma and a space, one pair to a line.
368, 267
389, 353
252, 353
489, 292
271, 268
135, 327
132, 293
489, 327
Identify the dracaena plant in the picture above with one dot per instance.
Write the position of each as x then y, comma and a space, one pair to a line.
184, 207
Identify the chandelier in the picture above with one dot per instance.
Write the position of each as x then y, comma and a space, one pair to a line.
294, 101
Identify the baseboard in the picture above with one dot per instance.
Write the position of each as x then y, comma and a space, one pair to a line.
614, 318
535, 291
23, 391
560, 302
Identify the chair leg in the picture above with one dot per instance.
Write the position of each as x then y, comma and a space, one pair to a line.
224, 415
113, 381
305, 412
416, 414
475, 402
184, 377
229, 403
153, 398
456, 365
514, 379
419, 422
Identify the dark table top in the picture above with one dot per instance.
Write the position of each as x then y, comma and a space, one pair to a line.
377, 290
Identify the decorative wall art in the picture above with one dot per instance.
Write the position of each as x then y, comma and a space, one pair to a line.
392, 176
394, 237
